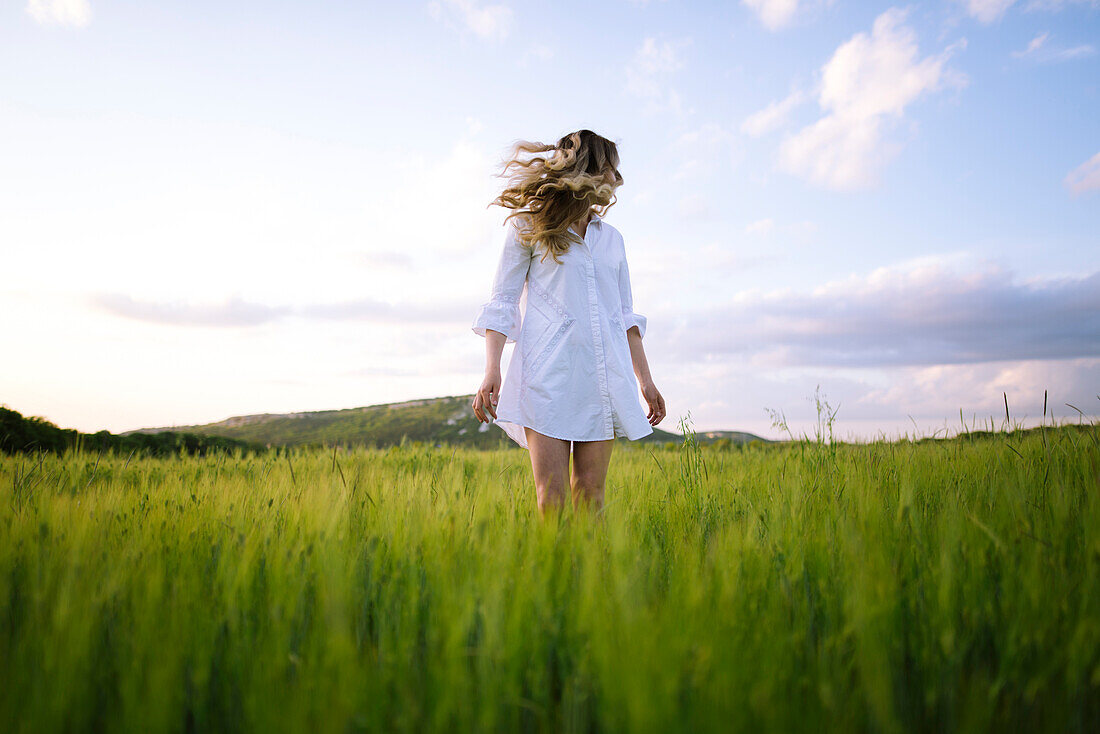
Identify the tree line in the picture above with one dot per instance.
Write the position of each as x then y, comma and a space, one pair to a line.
19, 434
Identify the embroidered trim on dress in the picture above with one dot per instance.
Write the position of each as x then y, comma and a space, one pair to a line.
562, 328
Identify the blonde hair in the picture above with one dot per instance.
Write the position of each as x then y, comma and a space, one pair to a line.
549, 193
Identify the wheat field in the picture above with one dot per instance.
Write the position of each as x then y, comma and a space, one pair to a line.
932, 586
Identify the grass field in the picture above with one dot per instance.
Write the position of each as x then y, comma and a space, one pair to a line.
934, 586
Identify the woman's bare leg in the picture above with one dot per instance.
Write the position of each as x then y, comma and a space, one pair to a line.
550, 465
590, 462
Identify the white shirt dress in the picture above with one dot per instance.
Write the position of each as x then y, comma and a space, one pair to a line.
570, 375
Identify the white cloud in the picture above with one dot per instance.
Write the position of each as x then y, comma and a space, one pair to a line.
773, 14
654, 58
229, 312
978, 390
990, 11
1086, 177
382, 259
1075, 52
486, 21
869, 80
760, 227
1034, 46
872, 402
1056, 5
773, 116
1039, 50
60, 12
648, 75
236, 312
694, 206
702, 150
792, 231
537, 52
987, 11
704, 136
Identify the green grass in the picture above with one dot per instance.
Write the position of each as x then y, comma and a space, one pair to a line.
938, 586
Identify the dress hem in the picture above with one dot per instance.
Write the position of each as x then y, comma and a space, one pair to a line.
515, 428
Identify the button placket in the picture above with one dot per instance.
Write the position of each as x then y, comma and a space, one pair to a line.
597, 334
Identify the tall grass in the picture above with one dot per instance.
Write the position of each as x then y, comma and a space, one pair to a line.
934, 586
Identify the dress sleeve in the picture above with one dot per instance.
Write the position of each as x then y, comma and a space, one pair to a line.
627, 299
501, 311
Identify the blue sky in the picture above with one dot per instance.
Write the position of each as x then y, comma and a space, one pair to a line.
210, 209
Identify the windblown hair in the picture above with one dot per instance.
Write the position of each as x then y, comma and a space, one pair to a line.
549, 193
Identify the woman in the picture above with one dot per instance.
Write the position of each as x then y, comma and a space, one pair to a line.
571, 380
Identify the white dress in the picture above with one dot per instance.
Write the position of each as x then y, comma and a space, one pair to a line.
570, 375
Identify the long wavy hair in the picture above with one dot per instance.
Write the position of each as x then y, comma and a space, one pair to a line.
548, 193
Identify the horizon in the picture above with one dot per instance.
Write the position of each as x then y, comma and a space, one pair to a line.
223, 211
1006, 424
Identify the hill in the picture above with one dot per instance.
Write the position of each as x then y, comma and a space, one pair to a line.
446, 420
19, 433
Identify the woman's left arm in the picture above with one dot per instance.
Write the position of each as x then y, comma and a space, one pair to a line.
635, 328
652, 396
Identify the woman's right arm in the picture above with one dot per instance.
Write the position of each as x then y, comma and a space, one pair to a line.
499, 319
486, 397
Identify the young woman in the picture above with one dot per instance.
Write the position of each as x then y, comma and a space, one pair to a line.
571, 380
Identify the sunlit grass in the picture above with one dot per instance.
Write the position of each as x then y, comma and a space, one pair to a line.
939, 586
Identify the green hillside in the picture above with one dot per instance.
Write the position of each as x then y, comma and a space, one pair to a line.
444, 421
20, 434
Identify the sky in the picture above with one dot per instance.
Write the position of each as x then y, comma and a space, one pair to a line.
215, 209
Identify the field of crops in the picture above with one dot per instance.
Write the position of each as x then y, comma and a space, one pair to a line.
934, 586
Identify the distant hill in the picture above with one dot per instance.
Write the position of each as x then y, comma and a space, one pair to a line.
447, 420
732, 436
31, 434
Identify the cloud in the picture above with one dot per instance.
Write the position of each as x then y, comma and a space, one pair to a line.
987, 11
773, 14
876, 401
773, 116
1086, 177
60, 12
706, 148
705, 137
870, 80
370, 309
760, 227
1056, 5
1040, 51
235, 312
386, 371
1075, 52
384, 259
694, 206
980, 389
230, 312
648, 75
768, 227
474, 125
486, 21
538, 52
990, 11
919, 313
1033, 46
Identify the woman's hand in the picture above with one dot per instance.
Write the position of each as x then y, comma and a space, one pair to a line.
655, 401
486, 397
